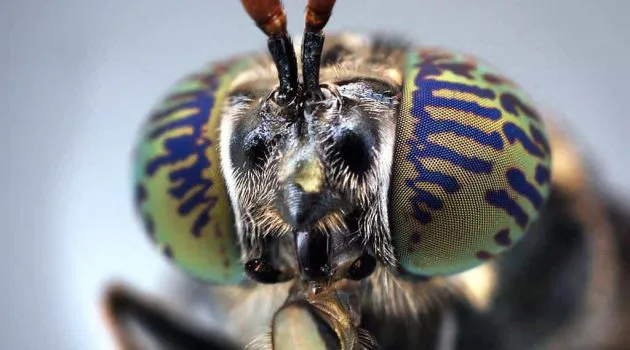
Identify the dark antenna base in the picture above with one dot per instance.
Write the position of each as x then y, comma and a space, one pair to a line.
317, 15
271, 19
281, 49
311, 57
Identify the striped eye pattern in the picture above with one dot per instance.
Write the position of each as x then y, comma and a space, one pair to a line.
180, 191
471, 164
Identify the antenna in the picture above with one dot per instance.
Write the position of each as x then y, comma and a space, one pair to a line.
317, 15
270, 17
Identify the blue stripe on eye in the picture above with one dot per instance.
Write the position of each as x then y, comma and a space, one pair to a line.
465, 106
182, 147
514, 133
446, 182
501, 199
472, 164
420, 214
492, 139
513, 104
540, 138
518, 182
542, 174
434, 85
431, 200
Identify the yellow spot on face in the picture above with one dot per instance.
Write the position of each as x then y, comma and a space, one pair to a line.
310, 175
287, 168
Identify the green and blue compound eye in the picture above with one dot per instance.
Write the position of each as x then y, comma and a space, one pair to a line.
180, 191
471, 165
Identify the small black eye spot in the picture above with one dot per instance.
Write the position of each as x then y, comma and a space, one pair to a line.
256, 151
362, 267
262, 271
355, 152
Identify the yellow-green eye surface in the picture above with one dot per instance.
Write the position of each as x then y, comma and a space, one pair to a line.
471, 164
180, 191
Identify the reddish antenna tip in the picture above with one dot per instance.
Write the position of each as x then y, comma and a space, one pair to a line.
317, 14
270, 18
268, 14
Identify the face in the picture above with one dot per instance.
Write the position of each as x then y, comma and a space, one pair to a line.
313, 192
308, 179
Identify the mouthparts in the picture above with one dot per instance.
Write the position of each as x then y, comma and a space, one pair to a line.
319, 318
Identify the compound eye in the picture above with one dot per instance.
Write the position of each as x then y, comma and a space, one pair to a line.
471, 165
181, 193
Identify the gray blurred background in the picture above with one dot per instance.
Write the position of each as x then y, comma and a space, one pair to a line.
78, 76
